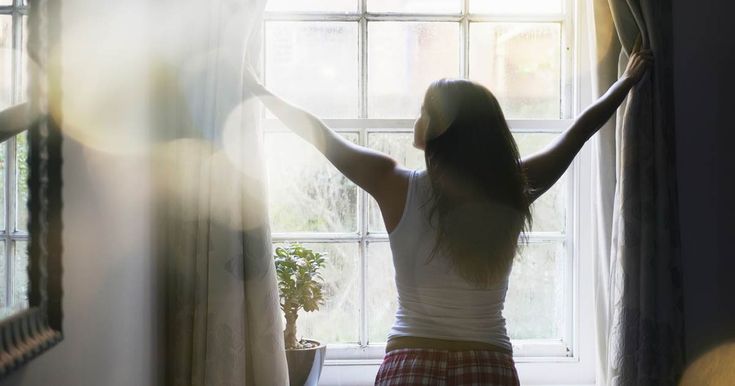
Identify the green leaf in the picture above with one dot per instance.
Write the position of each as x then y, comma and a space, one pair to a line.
300, 282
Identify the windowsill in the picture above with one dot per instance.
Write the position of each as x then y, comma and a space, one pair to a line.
532, 371
531, 350
539, 362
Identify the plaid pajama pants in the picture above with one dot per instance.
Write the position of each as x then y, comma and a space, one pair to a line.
412, 366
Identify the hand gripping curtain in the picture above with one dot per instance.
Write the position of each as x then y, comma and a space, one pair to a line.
222, 320
638, 292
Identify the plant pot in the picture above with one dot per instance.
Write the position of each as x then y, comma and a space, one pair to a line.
305, 365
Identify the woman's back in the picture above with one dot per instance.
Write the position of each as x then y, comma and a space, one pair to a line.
434, 301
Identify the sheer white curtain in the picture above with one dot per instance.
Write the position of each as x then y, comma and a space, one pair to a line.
605, 56
223, 323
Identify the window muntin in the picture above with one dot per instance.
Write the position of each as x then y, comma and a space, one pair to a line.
13, 156
391, 78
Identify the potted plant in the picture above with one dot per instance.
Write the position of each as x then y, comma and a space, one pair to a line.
300, 286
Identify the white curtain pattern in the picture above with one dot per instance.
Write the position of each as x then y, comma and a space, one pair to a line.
223, 324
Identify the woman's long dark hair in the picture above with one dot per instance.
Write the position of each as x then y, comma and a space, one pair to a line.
479, 193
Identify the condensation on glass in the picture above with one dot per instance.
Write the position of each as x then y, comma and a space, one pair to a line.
320, 6
521, 64
413, 6
314, 64
6, 60
381, 294
534, 306
403, 59
306, 193
549, 210
524, 7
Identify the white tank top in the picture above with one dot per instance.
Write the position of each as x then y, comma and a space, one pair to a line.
433, 301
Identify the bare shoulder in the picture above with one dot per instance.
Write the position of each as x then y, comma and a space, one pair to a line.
393, 197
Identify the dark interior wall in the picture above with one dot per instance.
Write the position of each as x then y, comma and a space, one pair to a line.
704, 46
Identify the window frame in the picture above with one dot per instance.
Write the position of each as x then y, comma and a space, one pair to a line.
534, 358
10, 234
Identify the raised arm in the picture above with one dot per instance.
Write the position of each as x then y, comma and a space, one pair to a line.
545, 167
373, 171
14, 120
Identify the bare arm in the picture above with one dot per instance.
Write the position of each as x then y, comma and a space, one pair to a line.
544, 168
13, 121
373, 171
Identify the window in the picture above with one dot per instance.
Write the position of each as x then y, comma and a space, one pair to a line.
13, 168
363, 66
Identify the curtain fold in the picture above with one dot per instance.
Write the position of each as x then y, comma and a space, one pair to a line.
223, 323
639, 296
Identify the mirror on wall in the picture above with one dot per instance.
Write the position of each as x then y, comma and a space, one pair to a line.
30, 183
13, 160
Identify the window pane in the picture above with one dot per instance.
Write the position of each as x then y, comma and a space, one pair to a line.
521, 64
21, 202
549, 210
6, 60
311, 6
24, 62
314, 64
306, 193
414, 6
3, 275
399, 146
382, 298
20, 275
3, 168
338, 321
515, 6
534, 305
403, 59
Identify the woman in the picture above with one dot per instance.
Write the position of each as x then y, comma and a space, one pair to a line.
454, 227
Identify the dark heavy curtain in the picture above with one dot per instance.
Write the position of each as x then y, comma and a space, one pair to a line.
645, 224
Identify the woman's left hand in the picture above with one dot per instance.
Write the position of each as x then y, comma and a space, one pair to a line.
638, 64
639, 61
